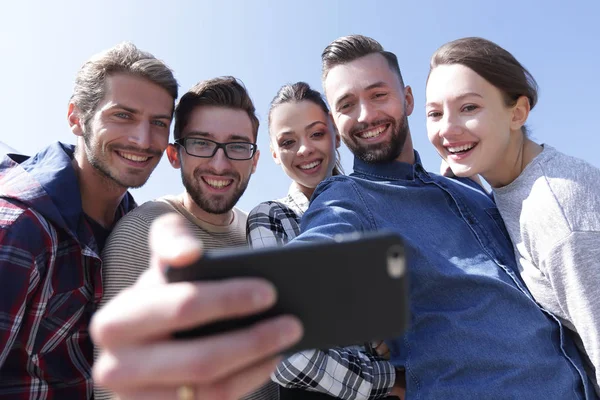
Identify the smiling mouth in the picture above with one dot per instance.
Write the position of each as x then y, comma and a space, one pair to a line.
217, 183
133, 157
310, 165
460, 149
372, 133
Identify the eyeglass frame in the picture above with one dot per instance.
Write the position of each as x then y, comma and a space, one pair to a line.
219, 145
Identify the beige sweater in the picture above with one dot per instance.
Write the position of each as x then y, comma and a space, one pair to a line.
126, 254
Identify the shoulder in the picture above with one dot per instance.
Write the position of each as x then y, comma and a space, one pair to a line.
127, 253
269, 208
271, 223
270, 214
130, 234
24, 227
337, 186
573, 184
144, 215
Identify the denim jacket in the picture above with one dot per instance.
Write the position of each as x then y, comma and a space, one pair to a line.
476, 332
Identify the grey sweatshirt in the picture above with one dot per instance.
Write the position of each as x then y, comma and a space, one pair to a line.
552, 213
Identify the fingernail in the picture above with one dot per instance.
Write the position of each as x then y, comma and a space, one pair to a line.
180, 244
290, 330
264, 296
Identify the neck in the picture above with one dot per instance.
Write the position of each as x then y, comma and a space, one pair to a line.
408, 154
308, 192
100, 196
521, 151
213, 219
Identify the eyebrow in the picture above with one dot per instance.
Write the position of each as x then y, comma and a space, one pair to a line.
375, 85
236, 137
307, 127
134, 111
457, 98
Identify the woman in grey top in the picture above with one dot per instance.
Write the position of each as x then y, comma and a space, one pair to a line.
478, 100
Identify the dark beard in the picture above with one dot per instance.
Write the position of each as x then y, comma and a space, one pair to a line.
380, 153
213, 204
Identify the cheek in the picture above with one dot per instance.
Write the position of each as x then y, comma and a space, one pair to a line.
244, 171
327, 147
286, 158
161, 140
188, 166
432, 132
395, 108
106, 135
480, 129
343, 124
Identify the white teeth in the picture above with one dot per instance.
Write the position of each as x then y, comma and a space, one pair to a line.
372, 133
458, 149
310, 165
133, 157
217, 183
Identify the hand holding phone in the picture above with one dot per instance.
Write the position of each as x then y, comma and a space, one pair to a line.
348, 291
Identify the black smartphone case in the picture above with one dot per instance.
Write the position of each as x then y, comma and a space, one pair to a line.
345, 292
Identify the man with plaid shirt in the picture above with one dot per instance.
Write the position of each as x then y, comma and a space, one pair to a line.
57, 209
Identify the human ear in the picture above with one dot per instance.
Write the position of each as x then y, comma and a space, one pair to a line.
274, 155
255, 161
75, 120
173, 156
409, 100
520, 113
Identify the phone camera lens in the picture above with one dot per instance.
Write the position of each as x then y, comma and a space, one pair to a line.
396, 266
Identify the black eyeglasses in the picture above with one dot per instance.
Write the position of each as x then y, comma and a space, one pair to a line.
205, 148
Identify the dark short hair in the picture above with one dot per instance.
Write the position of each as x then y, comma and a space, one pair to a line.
492, 63
301, 91
349, 48
224, 91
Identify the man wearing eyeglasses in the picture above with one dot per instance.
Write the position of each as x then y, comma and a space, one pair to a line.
215, 149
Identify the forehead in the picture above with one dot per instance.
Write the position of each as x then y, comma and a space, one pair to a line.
454, 80
137, 93
358, 74
221, 122
296, 115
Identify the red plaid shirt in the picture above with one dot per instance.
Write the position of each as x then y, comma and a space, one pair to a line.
51, 279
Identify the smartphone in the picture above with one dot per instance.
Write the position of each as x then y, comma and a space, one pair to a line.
347, 291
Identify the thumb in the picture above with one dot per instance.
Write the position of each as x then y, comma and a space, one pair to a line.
172, 244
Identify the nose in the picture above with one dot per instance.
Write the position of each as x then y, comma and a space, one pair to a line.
366, 112
306, 148
140, 135
449, 126
219, 162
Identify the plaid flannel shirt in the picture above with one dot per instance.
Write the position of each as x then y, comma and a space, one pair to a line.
347, 373
51, 279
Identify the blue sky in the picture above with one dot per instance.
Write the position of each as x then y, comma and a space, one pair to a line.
269, 43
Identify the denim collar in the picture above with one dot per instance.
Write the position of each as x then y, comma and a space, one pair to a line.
394, 170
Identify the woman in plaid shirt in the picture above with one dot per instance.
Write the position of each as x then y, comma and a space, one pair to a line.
304, 142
